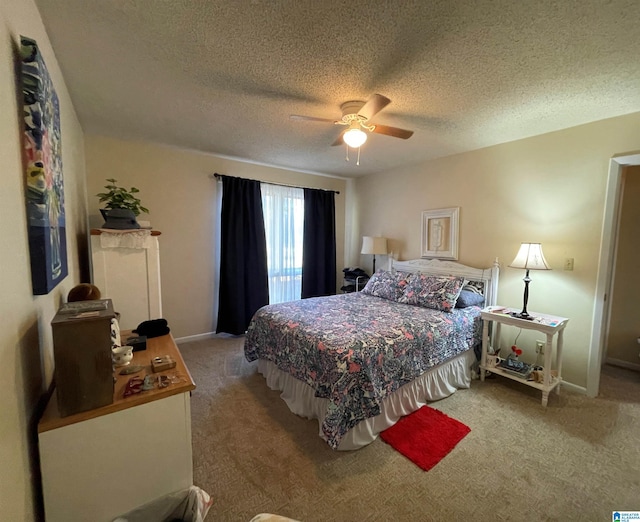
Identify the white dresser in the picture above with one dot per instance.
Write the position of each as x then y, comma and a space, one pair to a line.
102, 463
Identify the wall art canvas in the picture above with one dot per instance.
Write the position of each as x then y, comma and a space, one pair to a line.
43, 161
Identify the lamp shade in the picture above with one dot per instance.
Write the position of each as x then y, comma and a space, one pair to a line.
355, 136
530, 257
374, 245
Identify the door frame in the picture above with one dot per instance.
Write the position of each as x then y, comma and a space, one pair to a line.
602, 303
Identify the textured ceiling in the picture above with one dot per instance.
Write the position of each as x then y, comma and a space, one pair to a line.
223, 76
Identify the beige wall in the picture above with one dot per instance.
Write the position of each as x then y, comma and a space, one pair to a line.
547, 189
175, 185
25, 331
624, 326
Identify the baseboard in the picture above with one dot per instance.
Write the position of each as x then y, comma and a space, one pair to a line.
574, 388
198, 337
623, 364
204, 336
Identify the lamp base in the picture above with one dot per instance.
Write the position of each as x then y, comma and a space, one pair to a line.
522, 315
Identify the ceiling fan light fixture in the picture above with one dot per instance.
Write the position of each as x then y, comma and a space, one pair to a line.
354, 137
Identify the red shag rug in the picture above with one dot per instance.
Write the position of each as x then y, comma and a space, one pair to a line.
425, 436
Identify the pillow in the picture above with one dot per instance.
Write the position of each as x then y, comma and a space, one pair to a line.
474, 286
385, 284
429, 291
469, 298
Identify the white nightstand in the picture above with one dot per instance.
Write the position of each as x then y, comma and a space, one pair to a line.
550, 325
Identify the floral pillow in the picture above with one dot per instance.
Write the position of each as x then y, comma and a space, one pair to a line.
385, 284
429, 291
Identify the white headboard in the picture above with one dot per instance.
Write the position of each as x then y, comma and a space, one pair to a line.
489, 276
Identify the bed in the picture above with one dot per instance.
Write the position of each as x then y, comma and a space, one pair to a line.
358, 362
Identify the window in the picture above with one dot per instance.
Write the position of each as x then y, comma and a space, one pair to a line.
283, 209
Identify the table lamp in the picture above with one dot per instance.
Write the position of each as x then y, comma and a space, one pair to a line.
374, 245
529, 257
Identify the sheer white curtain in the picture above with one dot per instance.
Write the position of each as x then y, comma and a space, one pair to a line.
283, 209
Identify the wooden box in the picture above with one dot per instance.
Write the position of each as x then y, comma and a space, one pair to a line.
82, 354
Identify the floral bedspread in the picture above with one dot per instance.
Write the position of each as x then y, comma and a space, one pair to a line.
356, 349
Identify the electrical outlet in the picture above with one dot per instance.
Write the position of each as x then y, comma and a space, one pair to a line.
540, 347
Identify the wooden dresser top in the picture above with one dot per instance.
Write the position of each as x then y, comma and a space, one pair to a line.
156, 347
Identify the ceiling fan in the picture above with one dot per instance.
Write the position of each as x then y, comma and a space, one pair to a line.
356, 116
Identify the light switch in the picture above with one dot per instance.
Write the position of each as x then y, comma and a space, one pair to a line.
568, 263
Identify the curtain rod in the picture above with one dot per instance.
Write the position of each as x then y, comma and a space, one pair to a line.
216, 175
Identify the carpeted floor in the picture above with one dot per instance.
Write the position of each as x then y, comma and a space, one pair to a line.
578, 459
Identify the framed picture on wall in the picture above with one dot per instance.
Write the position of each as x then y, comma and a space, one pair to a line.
440, 233
43, 162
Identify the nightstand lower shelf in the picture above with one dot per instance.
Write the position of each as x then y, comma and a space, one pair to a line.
538, 385
549, 325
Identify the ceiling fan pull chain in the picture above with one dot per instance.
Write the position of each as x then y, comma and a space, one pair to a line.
347, 156
358, 162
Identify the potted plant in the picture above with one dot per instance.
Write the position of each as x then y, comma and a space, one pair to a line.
122, 206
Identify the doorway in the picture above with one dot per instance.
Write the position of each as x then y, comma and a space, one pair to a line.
621, 347
602, 306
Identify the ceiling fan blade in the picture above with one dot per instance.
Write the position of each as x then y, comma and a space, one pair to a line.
374, 105
339, 140
299, 117
393, 131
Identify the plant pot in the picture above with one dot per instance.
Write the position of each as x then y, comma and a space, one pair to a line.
119, 219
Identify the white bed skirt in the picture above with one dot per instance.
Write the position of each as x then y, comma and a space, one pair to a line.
435, 384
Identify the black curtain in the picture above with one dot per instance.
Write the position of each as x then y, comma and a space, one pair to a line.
319, 244
244, 283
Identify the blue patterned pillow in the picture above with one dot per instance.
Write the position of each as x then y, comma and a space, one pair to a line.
429, 291
385, 284
469, 298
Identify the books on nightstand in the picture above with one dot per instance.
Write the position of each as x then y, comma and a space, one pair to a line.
517, 368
